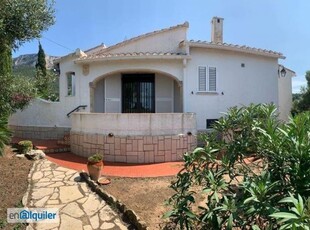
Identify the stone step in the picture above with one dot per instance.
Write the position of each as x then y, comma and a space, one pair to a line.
65, 140
56, 149
47, 146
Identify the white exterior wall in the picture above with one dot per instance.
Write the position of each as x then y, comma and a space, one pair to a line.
41, 113
257, 82
100, 97
113, 94
127, 124
164, 94
172, 68
285, 95
162, 42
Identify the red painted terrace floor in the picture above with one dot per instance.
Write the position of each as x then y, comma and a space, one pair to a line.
72, 161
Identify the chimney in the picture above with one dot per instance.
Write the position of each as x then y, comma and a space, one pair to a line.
217, 30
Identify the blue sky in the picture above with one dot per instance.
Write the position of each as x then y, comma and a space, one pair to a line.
279, 25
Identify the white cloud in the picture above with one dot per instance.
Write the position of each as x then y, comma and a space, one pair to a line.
297, 82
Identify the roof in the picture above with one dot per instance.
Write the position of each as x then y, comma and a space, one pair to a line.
232, 47
107, 49
101, 52
134, 55
78, 53
95, 49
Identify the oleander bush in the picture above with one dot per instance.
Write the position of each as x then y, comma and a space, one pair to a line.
242, 194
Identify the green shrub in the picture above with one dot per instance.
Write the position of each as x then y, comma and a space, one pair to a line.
5, 134
298, 215
287, 151
95, 158
237, 195
25, 146
16, 92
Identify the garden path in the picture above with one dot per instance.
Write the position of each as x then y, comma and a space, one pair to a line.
53, 186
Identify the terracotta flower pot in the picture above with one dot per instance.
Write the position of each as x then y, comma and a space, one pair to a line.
94, 169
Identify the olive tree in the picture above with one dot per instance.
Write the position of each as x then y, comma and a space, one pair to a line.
21, 21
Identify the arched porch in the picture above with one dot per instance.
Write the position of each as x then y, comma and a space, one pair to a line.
142, 91
136, 116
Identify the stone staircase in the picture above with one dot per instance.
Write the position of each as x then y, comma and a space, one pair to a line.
60, 146
49, 146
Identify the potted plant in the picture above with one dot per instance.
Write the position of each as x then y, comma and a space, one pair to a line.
94, 166
25, 146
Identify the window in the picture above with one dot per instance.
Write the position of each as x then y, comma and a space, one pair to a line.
71, 84
206, 79
210, 122
138, 92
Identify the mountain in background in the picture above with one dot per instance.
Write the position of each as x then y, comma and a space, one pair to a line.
25, 64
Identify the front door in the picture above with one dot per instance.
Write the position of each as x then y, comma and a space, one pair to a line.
138, 93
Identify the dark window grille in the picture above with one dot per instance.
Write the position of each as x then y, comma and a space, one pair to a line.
210, 123
138, 93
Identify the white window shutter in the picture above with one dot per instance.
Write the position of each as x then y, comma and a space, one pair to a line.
212, 79
73, 84
202, 78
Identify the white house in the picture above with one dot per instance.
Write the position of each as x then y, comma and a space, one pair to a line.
143, 100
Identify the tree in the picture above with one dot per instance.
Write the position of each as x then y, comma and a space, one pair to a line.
4, 134
21, 21
46, 80
41, 64
41, 81
5, 59
47, 85
16, 94
302, 103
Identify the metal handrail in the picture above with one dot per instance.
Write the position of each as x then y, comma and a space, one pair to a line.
76, 109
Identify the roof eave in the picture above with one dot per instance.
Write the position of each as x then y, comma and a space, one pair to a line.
77, 54
128, 58
236, 49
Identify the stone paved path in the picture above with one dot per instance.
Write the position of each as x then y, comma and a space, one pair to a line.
53, 186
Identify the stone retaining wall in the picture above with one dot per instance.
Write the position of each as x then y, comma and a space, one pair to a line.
133, 149
34, 132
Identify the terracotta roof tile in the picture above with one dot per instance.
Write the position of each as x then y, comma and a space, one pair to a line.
133, 54
95, 49
236, 47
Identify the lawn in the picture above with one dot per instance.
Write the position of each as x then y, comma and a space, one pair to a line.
13, 185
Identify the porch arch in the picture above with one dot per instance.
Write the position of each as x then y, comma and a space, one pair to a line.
106, 93
137, 70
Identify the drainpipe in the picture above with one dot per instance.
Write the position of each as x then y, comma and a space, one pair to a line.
184, 85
